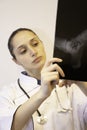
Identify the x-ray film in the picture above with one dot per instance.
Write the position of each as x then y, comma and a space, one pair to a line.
71, 38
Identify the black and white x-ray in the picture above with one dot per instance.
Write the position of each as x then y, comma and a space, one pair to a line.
71, 38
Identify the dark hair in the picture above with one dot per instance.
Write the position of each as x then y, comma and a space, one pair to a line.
10, 46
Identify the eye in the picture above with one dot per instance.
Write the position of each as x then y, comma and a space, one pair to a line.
22, 51
35, 43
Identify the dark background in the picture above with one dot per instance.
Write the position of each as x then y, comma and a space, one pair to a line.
71, 20
71, 17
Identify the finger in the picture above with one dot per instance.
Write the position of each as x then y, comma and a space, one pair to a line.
62, 83
55, 67
60, 71
51, 77
53, 60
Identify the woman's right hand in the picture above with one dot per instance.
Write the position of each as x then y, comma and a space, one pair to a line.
50, 76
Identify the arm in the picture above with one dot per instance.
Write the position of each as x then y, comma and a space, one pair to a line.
48, 75
25, 111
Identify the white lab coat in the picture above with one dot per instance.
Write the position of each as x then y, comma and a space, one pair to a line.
11, 97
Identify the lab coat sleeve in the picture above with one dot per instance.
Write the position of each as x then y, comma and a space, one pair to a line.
7, 110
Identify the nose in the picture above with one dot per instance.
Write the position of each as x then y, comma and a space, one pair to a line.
32, 51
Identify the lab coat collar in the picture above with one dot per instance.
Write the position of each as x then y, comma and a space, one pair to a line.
27, 82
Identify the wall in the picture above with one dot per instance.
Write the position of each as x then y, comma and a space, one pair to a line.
39, 15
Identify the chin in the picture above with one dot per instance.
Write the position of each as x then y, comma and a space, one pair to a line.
40, 66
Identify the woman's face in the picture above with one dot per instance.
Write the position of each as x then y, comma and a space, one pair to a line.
29, 51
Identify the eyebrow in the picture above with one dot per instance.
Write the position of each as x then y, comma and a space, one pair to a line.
20, 46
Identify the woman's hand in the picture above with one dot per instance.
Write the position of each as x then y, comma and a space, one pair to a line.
81, 84
65, 82
50, 76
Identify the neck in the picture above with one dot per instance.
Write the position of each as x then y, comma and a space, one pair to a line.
34, 74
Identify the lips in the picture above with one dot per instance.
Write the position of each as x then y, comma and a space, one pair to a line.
36, 60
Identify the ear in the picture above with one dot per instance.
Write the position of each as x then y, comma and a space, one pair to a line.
15, 60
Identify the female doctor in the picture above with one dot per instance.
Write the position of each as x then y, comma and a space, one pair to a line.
36, 101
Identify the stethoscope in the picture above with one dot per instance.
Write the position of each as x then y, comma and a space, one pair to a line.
41, 119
